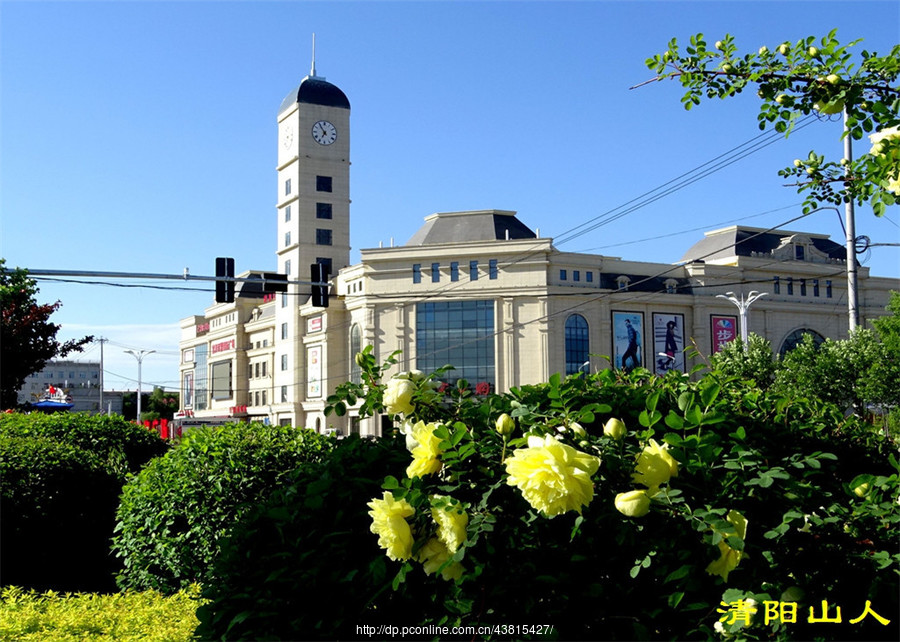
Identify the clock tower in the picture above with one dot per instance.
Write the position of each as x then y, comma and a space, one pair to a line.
313, 204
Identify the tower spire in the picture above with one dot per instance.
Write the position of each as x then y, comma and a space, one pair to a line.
312, 71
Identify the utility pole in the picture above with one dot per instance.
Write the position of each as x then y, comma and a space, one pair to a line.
852, 302
102, 341
743, 306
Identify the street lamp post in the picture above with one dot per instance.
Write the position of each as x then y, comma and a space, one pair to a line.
742, 307
139, 355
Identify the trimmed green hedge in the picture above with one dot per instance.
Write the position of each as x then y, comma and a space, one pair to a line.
27, 616
173, 514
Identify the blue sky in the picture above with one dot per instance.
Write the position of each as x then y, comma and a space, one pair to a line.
141, 136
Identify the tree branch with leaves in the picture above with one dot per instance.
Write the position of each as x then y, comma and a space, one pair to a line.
800, 79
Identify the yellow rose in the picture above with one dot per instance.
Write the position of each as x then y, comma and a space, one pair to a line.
452, 521
398, 396
389, 523
729, 557
633, 504
427, 451
433, 554
614, 428
655, 466
553, 477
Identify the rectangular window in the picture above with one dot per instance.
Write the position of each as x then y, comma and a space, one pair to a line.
454, 270
815, 287
563, 275
221, 380
287, 187
257, 398
284, 394
323, 210
323, 237
799, 252
284, 299
802, 287
473, 270
264, 400
492, 269
435, 272
776, 284
287, 239
589, 277
323, 183
827, 289
790, 288
284, 331
326, 262
417, 272
257, 369
287, 213
576, 275
265, 368
287, 267
187, 389
284, 362
460, 333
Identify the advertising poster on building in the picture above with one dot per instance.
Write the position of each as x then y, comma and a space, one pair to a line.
724, 329
628, 340
314, 372
668, 342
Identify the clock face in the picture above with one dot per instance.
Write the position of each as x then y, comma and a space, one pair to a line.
288, 137
324, 132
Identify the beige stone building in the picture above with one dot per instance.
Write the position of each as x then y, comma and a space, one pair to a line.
482, 291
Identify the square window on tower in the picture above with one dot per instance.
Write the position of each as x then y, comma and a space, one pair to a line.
323, 183
323, 237
323, 210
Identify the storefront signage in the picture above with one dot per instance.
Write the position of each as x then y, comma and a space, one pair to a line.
223, 346
202, 328
724, 329
314, 324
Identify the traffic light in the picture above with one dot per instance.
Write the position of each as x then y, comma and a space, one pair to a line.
275, 282
318, 273
224, 288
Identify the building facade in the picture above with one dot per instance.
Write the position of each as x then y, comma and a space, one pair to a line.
480, 290
80, 380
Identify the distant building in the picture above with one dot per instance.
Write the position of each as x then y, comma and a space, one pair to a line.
482, 291
79, 379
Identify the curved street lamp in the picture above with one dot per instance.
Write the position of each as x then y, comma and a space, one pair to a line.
139, 355
742, 307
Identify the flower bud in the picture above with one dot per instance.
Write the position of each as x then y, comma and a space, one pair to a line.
813, 52
635, 503
577, 429
505, 425
862, 489
763, 50
360, 359
614, 428
784, 48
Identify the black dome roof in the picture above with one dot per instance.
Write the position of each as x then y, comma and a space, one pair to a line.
315, 91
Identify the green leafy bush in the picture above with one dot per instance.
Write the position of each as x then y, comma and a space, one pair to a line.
124, 445
28, 616
174, 512
58, 505
303, 564
717, 494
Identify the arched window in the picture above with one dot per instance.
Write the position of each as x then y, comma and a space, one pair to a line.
354, 350
577, 343
794, 338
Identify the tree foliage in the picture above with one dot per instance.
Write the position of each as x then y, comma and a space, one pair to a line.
802, 78
27, 338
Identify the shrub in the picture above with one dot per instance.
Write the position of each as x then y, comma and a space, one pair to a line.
173, 514
58, 513
27, 616
124, 445
719, 493
303, 564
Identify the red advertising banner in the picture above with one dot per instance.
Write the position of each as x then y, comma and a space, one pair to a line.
724, 329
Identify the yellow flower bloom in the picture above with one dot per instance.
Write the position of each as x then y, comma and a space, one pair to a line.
427, 451
633, 504
729, 557
553, 477
655, 466
433, 555
452, 521
614, 428
398, 396
389, 523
